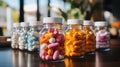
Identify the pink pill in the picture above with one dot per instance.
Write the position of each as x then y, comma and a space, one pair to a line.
60, 38
56, 55
43, 52
62, 52
48, 57
53, 45
43, 57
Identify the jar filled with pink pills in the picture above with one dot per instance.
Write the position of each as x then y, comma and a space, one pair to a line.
102, 36
52, 39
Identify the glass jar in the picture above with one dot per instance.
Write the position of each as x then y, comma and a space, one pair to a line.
15, 35
75, 39
23, 36
102, 36
90, 44
52, 39
33, 37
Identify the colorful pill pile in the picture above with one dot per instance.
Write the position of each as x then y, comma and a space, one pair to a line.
102, 39
74, 43
90, 40
52, 45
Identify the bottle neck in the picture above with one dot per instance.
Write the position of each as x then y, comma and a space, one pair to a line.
50, 25
33, 28
75, 26
25, 28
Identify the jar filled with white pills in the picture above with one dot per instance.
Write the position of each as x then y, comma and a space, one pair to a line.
15, 35
23, 36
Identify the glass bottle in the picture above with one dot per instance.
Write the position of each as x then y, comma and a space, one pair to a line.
23, 36
102, 36
52, 39
15, 35
90, 44
33, 37
74, 39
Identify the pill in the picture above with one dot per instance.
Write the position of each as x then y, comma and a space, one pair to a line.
60, 38
53, 45
52, 40
43, 46
50, 51
56, 55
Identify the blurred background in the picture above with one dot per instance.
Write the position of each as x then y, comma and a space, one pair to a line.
15, 11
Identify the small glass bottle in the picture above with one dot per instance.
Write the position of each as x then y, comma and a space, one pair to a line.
74, 39
23, 36
15, 35
102, 36
33, 37
52, 39
90, 45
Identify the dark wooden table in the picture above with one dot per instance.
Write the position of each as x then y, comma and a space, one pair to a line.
17, 58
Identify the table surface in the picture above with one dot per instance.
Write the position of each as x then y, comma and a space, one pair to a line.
17, 58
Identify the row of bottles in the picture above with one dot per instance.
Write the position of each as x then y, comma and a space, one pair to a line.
56, 39
25, 36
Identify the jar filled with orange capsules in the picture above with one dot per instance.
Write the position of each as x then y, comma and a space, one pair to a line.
74, 39
90, 43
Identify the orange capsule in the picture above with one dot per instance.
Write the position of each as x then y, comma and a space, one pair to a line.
50, 52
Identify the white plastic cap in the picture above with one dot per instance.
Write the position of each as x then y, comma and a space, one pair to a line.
87, 22
33, 23
74, 21
52, 20
16, 25
24, 24
100, 23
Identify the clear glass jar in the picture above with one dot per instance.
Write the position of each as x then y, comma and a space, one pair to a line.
102, 36
90, 45
33, 37
75, 39
15, 35
23, 36
52, 39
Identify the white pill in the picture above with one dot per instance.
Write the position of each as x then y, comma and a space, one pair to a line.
51, 40
60, 57
43, 46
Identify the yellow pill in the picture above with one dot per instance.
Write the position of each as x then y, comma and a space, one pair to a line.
50, 52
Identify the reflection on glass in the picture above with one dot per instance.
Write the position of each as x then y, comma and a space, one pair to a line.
74, 62
22, 59
51, 64
29, 64
97, 60
15, 58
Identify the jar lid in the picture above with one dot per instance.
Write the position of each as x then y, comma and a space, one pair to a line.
24, 24
74, 21
100, 23
52, 20
87, 22
33, 23
16, 25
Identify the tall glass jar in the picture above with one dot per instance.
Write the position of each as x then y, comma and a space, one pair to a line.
23, 36
52, 39
75, 39
102, 36
90, 44
15, 35
33, 37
